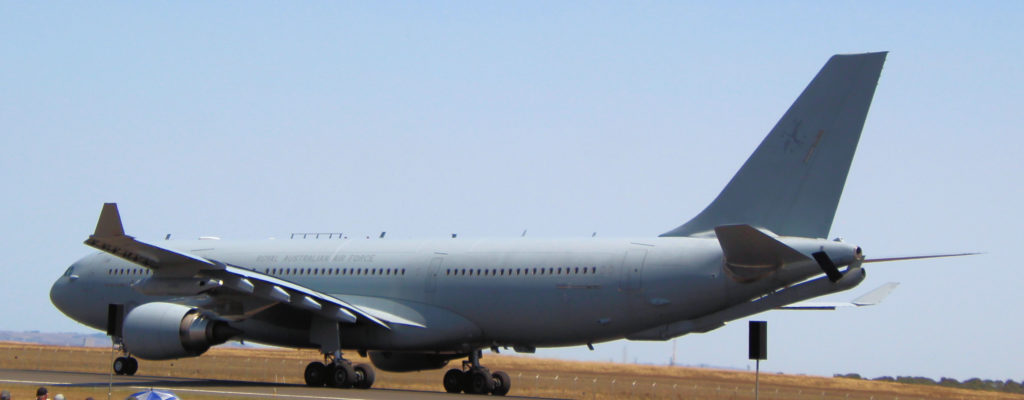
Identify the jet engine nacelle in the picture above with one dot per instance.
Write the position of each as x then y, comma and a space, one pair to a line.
164, 331
409, 362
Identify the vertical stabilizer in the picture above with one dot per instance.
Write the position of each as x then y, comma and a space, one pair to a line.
792, 183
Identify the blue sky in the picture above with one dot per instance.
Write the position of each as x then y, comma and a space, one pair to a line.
254, 120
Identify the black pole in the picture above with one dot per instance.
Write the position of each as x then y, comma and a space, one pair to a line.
757, 379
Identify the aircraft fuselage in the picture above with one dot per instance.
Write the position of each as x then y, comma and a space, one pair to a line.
525, 292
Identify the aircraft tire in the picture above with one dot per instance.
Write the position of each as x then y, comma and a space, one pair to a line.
479, 382
133, 366
502, 383
364, 376
120, 365
316, 374
453, 380
341, 375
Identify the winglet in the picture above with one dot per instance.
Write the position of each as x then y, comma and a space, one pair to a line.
875, 296
109, 224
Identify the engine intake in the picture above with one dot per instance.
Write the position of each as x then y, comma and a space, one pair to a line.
164, 331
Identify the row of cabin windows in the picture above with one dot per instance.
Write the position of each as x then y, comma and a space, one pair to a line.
128, 271
521, 271
287, 271
396, 271
335, 271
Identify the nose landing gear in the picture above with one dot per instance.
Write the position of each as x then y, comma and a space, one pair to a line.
474, 378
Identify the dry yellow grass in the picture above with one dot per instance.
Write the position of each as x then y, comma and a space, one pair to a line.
531, 376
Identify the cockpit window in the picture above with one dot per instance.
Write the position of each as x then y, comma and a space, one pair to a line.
70, 271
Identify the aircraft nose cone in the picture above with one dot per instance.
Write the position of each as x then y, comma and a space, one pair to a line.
55, 293
59, 295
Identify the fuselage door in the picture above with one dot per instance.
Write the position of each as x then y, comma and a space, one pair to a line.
632, 269
432, 272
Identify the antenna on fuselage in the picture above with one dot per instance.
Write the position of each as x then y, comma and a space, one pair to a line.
593, 234
382, 234
524, 233
168, 237
454, 235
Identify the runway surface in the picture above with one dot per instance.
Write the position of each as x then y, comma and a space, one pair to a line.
232, 389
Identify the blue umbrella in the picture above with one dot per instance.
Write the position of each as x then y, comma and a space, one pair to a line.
153, 394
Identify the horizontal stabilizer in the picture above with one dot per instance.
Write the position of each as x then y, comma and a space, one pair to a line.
751, 254
875, 296
778, 299
868, 299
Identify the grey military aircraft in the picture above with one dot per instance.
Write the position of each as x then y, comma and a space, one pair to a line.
418, 304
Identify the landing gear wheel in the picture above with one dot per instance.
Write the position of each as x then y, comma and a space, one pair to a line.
479, 382
133, 366
316, 374
502, 383
121, 365
364, 376
453, 380
341, 375
125, 366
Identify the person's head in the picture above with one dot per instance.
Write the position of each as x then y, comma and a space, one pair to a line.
41, 392
5, 395
58, 397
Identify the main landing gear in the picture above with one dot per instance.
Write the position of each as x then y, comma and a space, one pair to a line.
474, 378
338, 372
126, 364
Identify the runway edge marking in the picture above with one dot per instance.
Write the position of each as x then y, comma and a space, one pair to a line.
34, 382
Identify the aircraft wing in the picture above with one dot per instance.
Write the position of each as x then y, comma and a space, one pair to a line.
868, 299
251, 283
109, 237
179, 273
